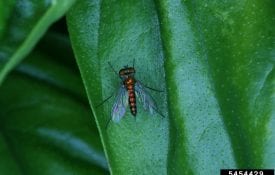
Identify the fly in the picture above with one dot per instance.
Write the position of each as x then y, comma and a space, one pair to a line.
129, 91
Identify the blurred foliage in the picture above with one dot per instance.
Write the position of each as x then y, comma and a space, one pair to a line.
46, 123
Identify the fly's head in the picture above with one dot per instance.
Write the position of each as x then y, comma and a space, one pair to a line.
126, 72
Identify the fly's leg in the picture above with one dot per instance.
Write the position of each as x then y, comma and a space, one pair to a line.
153, 89
108, 122
157, 111
154, 107
104, 101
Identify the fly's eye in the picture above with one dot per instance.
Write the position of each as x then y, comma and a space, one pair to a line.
131, 70
121, 72
126, 71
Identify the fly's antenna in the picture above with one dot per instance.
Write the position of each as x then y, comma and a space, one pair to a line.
112, 67
133, 63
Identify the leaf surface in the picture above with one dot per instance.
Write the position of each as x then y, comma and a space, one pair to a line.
46, 125
24, 23
215, 62
119, 33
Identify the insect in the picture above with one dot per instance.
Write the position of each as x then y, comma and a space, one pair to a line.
129, 91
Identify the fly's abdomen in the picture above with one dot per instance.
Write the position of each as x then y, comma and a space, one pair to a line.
132, 100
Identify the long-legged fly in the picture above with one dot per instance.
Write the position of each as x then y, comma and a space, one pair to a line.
130, 90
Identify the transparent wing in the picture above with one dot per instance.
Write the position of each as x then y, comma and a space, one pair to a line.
145, 98
120, 105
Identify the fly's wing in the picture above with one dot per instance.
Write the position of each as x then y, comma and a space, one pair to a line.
145, 98
121, 102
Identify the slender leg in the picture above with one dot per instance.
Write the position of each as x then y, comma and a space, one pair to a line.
157, 111
102, 104
108, 122
104, 101
150, 88
153, 89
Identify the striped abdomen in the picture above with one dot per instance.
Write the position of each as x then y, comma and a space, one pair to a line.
130, 85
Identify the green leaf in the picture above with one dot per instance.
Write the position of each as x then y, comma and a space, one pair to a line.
27, 23
121, 32
46, 125
214, 59
227, 84
6, 8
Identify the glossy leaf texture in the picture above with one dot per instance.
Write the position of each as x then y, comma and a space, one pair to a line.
223, 53
214, 59
46, 123
23, 23
123, 32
